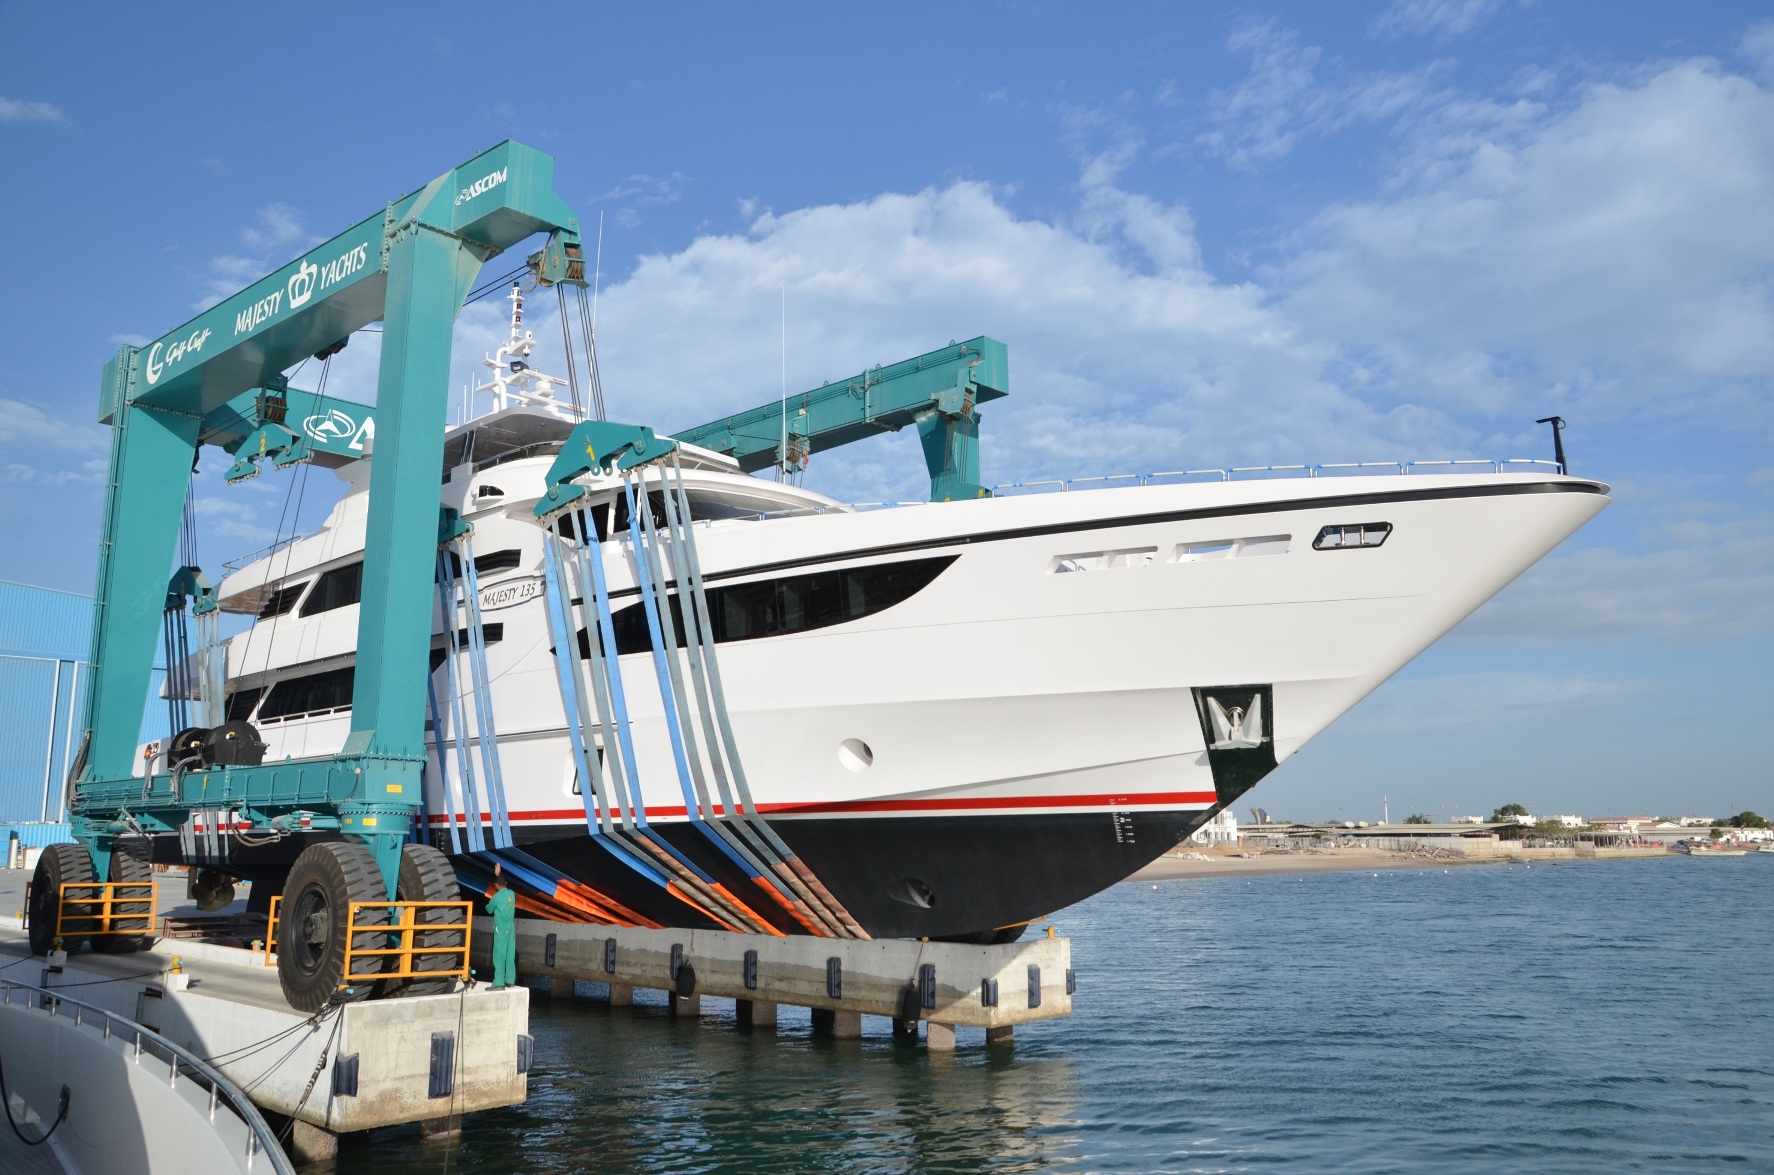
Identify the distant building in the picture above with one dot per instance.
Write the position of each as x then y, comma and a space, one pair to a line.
1469, 820
1221, 830
1568, 821
1694, 821
1624, 823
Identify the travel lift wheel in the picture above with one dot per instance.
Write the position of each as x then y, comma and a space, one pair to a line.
58, 865
427, 876
317, 899
129, 862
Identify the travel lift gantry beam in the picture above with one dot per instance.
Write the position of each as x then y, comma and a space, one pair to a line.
218, 379
938, 392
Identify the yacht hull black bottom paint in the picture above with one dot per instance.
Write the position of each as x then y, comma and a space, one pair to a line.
972, 871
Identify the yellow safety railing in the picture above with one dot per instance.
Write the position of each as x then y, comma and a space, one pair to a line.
403, 955
271, 931
103, 904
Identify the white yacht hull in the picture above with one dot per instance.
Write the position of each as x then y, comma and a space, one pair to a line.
1034, 718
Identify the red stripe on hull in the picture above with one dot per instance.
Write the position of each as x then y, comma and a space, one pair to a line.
966, 804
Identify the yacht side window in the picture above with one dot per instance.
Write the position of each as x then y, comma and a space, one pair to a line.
282, 600
1363, 534
486, 564
241, 702
336, 589
313, 693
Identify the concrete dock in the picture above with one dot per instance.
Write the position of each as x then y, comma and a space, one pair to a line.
425, 1059
941, 985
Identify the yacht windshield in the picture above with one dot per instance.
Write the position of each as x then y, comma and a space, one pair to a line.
708, 504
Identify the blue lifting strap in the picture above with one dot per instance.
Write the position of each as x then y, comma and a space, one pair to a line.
471, 810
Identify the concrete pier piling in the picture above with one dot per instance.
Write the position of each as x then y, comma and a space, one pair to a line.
945, 985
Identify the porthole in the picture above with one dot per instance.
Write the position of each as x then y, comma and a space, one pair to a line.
855, 754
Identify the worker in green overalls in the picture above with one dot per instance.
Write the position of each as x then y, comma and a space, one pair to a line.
502, 905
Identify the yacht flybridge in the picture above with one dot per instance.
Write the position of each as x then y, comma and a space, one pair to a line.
655, 689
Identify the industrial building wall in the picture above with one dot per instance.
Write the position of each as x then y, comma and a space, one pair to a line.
43, 648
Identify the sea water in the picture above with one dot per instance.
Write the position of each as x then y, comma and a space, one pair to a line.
1589, 1016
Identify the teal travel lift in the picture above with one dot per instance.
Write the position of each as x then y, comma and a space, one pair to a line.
345, 825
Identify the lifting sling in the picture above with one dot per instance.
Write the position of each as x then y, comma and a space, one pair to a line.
663, 552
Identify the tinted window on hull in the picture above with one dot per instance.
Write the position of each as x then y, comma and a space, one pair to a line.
487, 564
332, 689
309, 694
336, 589
794, 603
240, 704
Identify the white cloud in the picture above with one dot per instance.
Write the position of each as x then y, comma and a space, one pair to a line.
1282, 100
1443, 18
89, 472
275, 236
1128, 353
1758, 46
1701, 581
1618, 252
12, 110
1495, 700
28, 426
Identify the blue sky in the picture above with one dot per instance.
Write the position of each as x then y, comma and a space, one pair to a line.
1211, 234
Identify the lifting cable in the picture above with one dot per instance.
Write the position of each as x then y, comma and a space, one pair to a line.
664, 638
633, 842
705, 671
560, 291
616, 817
485, 728
471, 806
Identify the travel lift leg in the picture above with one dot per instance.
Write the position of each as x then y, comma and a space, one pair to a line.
429, 274
151, 454
409, 266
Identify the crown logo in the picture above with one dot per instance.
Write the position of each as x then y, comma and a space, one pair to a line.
301, 284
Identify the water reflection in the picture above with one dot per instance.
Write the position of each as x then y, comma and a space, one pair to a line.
634, 1090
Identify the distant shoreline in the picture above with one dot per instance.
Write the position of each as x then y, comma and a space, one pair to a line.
1170, 867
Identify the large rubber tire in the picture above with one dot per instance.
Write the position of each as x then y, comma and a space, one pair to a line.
317, 899
129, 862
58, 865
426, 875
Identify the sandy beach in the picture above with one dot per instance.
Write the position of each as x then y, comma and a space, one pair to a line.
1250, 862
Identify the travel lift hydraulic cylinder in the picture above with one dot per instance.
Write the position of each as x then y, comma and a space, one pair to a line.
410, 266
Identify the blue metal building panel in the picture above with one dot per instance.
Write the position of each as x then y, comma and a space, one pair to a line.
44, 623
28, 737
44, 635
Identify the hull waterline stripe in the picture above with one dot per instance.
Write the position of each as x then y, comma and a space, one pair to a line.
975, 804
